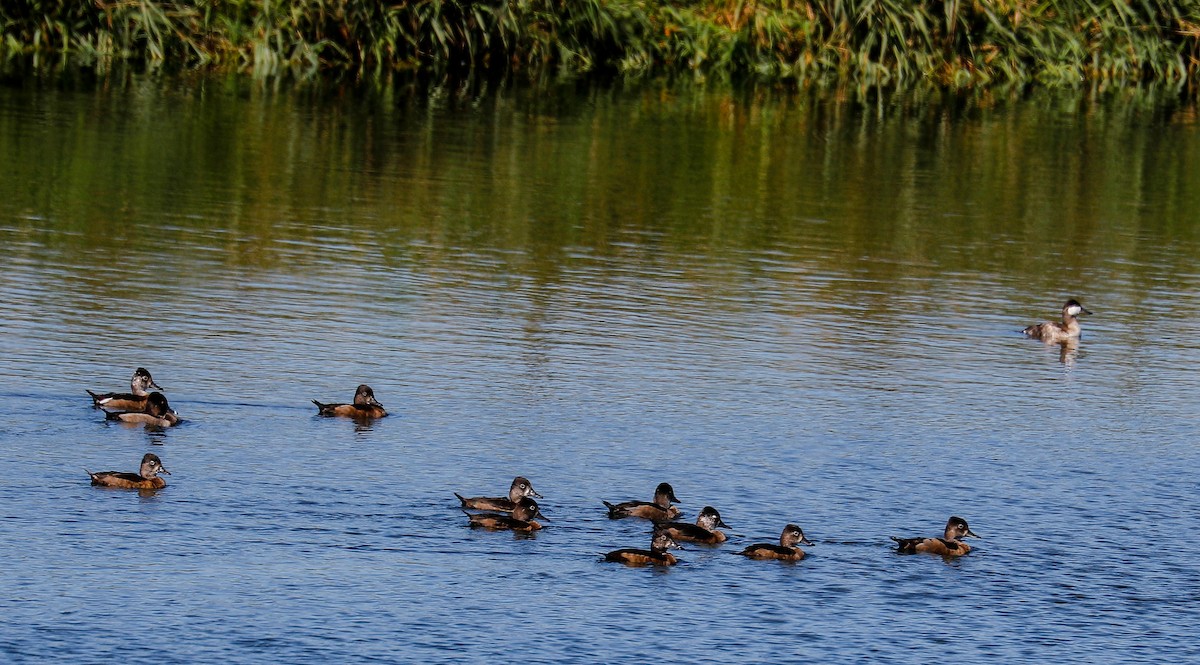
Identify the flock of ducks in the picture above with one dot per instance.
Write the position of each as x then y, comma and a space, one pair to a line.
518, 511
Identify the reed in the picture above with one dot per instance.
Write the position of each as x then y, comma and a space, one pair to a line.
878, 42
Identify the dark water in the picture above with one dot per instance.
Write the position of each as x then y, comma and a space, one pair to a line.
794, 310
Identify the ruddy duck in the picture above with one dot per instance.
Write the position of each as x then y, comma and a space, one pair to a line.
520, 487
660, 510
158, 413
657, 555
1052, 331
703, 531
786, 550
521, 520
365, 406
950, 544
146, 478
135, 400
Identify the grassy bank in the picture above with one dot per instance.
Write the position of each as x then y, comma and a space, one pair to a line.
956, 42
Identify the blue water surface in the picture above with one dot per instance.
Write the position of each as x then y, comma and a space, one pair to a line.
786, 317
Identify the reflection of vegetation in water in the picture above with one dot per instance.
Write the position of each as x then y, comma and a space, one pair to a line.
873, 41
885, 187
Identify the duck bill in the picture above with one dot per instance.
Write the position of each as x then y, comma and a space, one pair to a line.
806, 541
155, 386
973, 534
162, 470
1085, 311
721, 523
533, 492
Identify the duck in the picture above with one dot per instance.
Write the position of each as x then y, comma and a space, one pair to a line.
703, 531
786, 550
521, 487
1053, 331
660, 510
365, 406
521, 520
949, 545
657, 555
145, 479
158, 413
135, 400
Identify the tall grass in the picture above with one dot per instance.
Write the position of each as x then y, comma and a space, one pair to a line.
956, 42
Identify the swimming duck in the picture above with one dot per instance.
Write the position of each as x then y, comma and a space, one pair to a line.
520, 487
786, 550
146, 478
365, 406
950, 544
1053, 331
703, 531
660, 510
521, 519
158, 413
657, 555
135, 400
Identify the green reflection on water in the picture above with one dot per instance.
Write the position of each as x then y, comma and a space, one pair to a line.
142, 171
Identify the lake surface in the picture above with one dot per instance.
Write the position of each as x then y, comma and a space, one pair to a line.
793, 308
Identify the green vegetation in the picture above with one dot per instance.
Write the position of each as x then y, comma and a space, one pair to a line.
879, 42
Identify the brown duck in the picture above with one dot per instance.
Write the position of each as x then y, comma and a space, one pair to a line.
521, 487
158, 413
134, 400
949, 545
522, 518
1054, 331
657, 555
703, 531
786, 550
365, 406
659, 510
145, 479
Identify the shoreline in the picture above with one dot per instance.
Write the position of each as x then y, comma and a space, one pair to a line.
852, 42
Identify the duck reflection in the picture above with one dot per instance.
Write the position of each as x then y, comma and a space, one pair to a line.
1067, 352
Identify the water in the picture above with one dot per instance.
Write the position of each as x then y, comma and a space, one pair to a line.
794, 309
